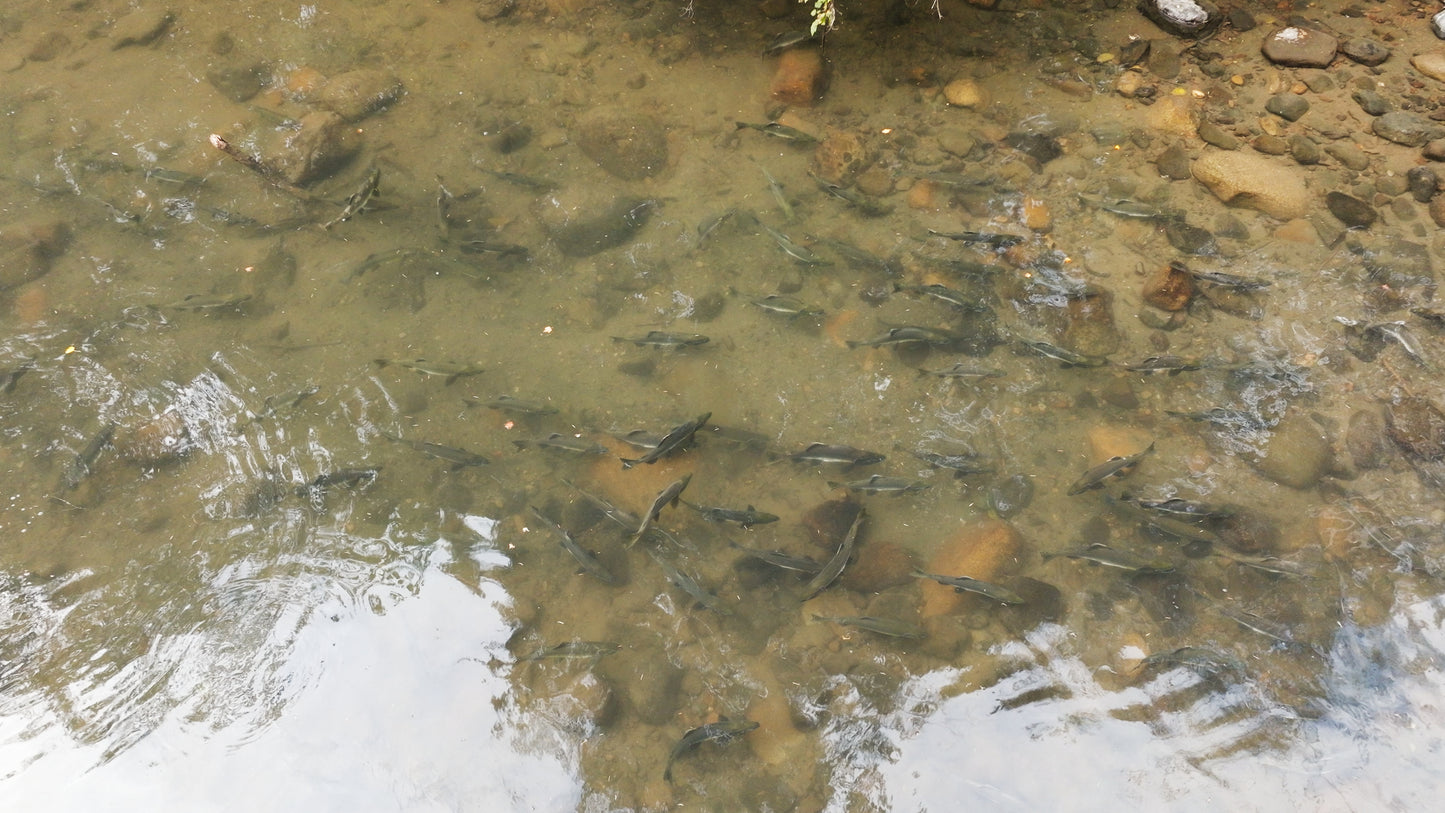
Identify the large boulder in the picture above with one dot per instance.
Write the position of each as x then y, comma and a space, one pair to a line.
1254, 182
630, 146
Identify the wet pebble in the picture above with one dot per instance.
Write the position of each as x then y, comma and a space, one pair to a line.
879, 566
322, 144
1173, 163
1350, 155
1365, 51
1434, 150
841, 157
354, 95
1423, 183
1299, 47
1169, 289
584, 223
1406, 129
1287, 106
1430, 63
1304, 150
1350, 210
1270, 144
1190, 239
800, 78
1372, 102
965, 92
239, 83
828, 522
985, 551
1213, 134
1245, 179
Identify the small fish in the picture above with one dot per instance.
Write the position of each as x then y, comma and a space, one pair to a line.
81, 465
989, 239
833, 568
1224, 417
640, 439
1063, 355
673, 441
1221, 278
779, 195
448, 370
663, 338
880, 484
612, 512
782, 131
865, 205
745, 517
688, 584
964, 370
1257, 624
205, 302
963, 464
780, 560
857, 258
706, 228
668, 496
516, 406
589, 563
786, 40
357, 201
1111, 557
944, 294
1400, 334
907, 334
493, 247
1204, 662
1269, 564
563, 443
458, 457
1184, 509
277, 403
1129, 208
790, 247
832, 453
891, 627
722, 732
9, 378
585, 650
964, 584
525, 181
338, 477
1112, 467
1173, 365
788, 306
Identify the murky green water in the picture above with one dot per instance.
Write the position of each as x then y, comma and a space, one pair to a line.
233, 574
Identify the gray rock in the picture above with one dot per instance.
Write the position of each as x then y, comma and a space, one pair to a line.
1297, 453
322, 144
1367, 441
1423, 183
1183, 18
1351, 156
1318, 81
1365, 51
1241, 20
140, 27
1164, 60
1417, 427
1190, 239
1350, 210
1287, 106
1407, 129
587, 223
1270, 145
1304, 150
1394, 261
1230, 227
630, 146
1390, 185
1299, 47
1173, 163
1212, 133
354, 95
1371, 102
956, 141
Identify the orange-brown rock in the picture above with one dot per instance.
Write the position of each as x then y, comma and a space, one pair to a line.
801, 77
877, 567
828, 522
161, 439
1169, 289
27, 250
1035, 214
841, 157
925, 195
985, 551
1106, 442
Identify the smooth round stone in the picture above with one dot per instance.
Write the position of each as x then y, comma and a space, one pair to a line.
1406, 129
1437, 24
1270, 144
1435, 150
1371, 102
1348, 154
1431, 64
1350, 210
1365, 51
1423, 183
1304, 150
1299, 47
1287, 106
1217, 136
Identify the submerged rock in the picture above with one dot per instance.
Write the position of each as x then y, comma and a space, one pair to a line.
1417, 427
630, 146
1367, 52
1350, 210
1169, 289
1366, 440
1394, 261
1297, 453
1183, 18
986, 551
801, 77
1431, 64
1298, 47
28, 249
585, 227
1406, 129
322, 144
1254, 182
354, 95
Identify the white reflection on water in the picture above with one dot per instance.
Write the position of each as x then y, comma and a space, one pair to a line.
1377, 745
396, 712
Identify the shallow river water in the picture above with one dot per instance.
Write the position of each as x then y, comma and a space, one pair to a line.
325, 327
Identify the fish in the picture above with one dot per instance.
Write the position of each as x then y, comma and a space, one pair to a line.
1272, 565
81, 465
588, 650
1173, 365
1400, 334
563, 443
589, 563
788, 306
891, 627
790, 247
989, 239
964, 584
779, 195
612, 512
518, 406
944, 294
780, 560
781, 131
1224, 417
786, 40
856, 257
276, 403
967, 463
880, 484
1204, 662
745, 517
835, 564
1112, 557
448, 370
1112, 467
964, 370
493, 247
528, 182
208, 302
1063, 355
663, 338
357, 201
906, 334
722, 732
830, 453
688, 584
673, 441
706, 228
336, 477
865, 205
9, 378
640, 439
377, 259
458, 457
1167, 524
1221, 278
1129, 208
1187, 509
668, 495
1257, 624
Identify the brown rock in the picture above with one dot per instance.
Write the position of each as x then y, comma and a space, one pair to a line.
828, 522
162, 439
630, 146
28, 249
1418, 427
1036, 215
357, 94
801, 77
965, 93
1367, 441
1437, 210
877, 567
1253, 181
1297, 453
1107, 442
924, 194
985, 551
321, 144
1169, 289
841, 157
874, 181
